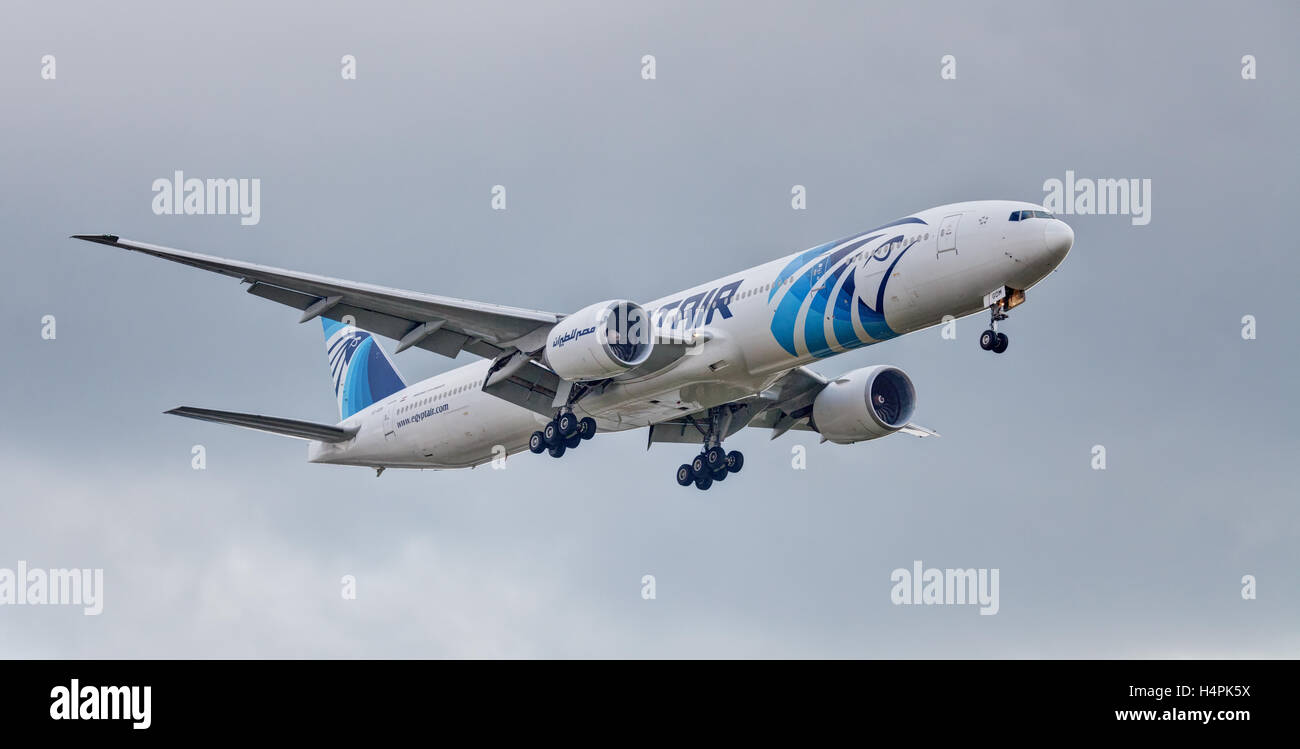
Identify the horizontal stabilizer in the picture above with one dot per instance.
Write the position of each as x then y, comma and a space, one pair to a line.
303, 430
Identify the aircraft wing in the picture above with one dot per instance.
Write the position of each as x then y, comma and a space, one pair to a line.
439, 324
786, 405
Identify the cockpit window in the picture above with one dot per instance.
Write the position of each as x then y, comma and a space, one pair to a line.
1026, 215
1015, 216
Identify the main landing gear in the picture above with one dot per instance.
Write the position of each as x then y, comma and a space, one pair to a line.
713, 463
565, 432
991, 339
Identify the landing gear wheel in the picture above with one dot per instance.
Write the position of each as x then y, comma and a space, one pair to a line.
684, 475
572, 442
715, 457
698, 466
720, 474
568, 424
537, 443
551, 433
556, 451
735, 461
703, 482
587, 427
991, 339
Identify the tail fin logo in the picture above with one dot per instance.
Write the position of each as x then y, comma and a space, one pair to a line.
340, 352
360, 368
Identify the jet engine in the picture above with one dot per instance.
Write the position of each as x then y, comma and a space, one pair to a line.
864, 404
599, 341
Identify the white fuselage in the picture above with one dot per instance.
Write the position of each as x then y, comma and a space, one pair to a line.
906, 275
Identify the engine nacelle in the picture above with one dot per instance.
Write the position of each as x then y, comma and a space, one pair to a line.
599, 341
864, 404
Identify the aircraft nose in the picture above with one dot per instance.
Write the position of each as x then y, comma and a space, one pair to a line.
1058, 238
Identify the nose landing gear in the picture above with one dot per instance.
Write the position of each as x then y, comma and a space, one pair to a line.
991, 339
999, 302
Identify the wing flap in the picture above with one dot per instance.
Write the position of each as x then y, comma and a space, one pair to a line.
303, 430
691, 427
532, 386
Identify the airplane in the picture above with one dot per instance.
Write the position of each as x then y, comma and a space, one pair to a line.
693, 367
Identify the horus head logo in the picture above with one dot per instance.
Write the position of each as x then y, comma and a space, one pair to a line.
340, 352
831, 298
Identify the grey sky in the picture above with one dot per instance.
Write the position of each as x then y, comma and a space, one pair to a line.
623, 187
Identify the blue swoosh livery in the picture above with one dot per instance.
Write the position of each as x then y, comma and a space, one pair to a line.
816, 274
